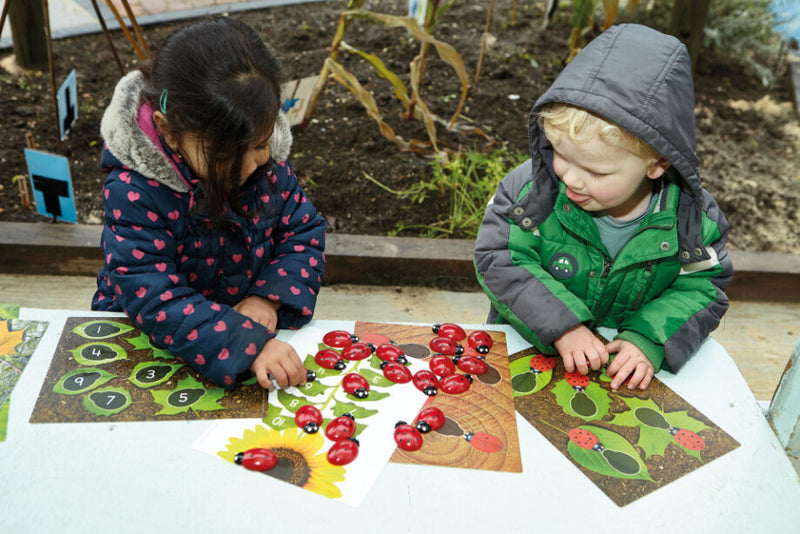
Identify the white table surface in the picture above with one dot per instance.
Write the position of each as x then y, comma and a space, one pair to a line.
146, 477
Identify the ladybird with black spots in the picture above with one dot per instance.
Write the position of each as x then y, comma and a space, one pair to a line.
441, 365
396, 372
446, 346
451, 330
343, 452
308, 417
256, 459
430, 418
472, 364
356, 385
407, 437
426, 382
481, 341
455, 384
357, 351
329, 359
342, 427
339, 339
389, 352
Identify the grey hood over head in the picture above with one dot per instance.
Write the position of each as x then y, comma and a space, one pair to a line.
641, 80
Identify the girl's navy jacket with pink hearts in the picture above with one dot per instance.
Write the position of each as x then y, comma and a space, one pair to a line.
173, 272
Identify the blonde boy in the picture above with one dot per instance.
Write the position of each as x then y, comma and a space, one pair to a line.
607, 224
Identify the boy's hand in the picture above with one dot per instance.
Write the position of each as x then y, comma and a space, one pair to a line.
260, 310
629, 362
281, 360
579, 345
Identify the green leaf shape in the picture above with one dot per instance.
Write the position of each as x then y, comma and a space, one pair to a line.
98, 353
359, 412
188, 394
277, 419
654, 441
565, 394
375, 379
82, 380
291, 402
615, 447
107, 401
312, 389
311, 364
101, 329
142, 342
252, 381
149, 374
373, 396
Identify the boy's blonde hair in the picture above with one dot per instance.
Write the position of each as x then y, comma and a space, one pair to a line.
557, 119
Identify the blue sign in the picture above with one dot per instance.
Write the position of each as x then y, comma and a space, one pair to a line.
51, 185
67, 98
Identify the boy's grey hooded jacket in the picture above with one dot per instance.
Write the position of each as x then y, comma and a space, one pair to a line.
664, 291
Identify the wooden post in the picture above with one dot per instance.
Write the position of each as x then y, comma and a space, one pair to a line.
27, 33
688, 20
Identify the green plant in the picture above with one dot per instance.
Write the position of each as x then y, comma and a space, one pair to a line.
469, 179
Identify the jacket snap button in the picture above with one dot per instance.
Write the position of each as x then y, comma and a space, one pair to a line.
698, 252
526, 222
518, 210
685, 254
664, 246
567, 207
592, 274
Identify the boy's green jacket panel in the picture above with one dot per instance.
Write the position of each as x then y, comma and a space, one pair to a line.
539, 257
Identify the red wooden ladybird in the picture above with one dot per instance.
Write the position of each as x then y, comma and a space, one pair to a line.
455, 384
442, 365
480, 340
541, 363
430, 418
308, 417
343, 452
356, 385
453, 331
407, 437
389, 352
357, 351
445, 345
329, 359
426, 382
342, 427
339, 338
396, 372
256, 459
472, 364
577, 380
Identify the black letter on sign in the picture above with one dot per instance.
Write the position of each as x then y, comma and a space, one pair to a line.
51, 189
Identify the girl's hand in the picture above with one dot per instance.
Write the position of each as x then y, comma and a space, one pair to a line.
629, 362
280, 360
259, 309
579, 346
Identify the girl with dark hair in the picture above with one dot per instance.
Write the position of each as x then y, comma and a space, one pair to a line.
210, 243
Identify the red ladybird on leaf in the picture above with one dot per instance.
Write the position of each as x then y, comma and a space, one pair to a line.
442, 365
389, 352
357, 351
430, 418
541, 363
308, 417
407, 437
480, 340
583, 438
688, 439
426, 382
445, 345
343, 452
329, 359
342, 427
396, 372
453, 331
577, 380
256, 459
339, 338
356, 385
455, 384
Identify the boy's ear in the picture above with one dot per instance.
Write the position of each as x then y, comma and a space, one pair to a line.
658, 168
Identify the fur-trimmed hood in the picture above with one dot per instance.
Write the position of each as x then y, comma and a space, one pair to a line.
135, 149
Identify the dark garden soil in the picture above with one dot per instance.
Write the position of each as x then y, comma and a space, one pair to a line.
748, 136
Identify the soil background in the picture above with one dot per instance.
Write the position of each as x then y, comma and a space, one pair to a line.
747, 135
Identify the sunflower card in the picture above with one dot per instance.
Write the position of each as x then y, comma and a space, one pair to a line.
312, 456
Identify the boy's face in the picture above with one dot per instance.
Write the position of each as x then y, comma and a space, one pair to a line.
604, 177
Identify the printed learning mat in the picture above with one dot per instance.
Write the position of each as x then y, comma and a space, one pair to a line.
628, 442
105, 369
305, 439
